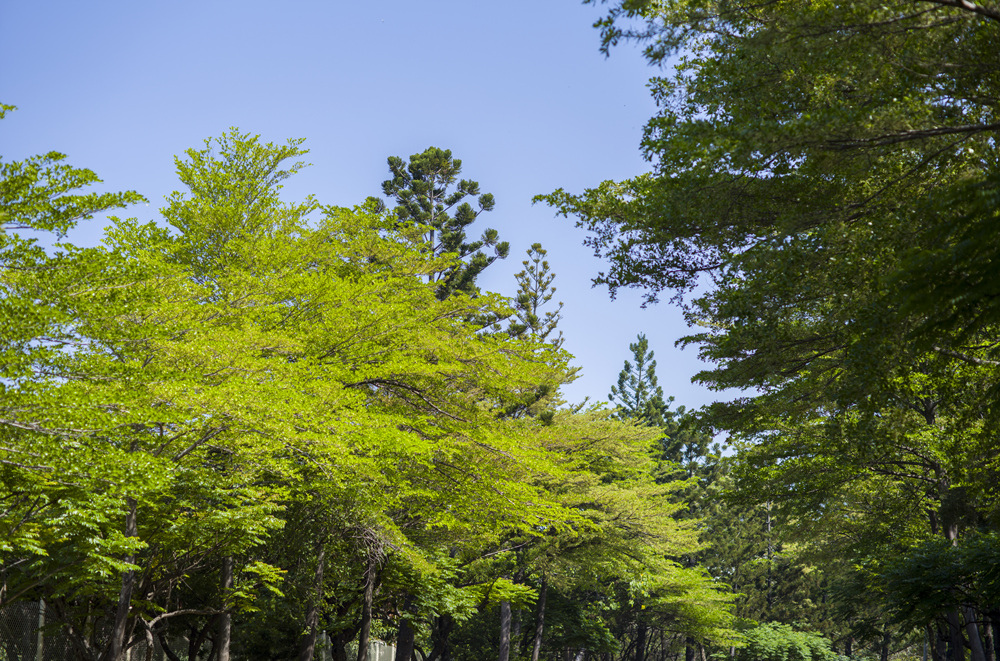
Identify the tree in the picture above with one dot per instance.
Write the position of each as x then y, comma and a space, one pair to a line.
637, 394
808, 166
534, 291
187, 390
424, 201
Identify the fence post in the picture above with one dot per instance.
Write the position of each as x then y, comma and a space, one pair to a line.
40, 645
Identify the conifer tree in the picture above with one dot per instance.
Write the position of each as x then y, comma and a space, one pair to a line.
637, 394
422, 190
535, 290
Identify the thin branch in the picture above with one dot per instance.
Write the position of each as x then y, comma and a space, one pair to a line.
961, 356
988, 12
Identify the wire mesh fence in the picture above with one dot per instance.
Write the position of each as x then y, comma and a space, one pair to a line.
26, 634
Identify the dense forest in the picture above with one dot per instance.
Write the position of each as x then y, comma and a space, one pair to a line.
258, 428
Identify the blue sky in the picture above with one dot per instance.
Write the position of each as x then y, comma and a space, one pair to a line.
518, 90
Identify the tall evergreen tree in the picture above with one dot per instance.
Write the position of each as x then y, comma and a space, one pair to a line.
535, 290
637, 394
425, 197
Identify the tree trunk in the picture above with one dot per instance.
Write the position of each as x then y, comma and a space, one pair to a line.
307, 648
940, 650
536, 648
993, 635
225, 617
366, 611
886, 642
117, 643
405, 640
640, 642
504, 631
972, 631
196, 638
338, 646
441, 638
956, 647
689, 649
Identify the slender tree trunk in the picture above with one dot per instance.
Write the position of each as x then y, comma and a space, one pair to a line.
689, 649
956, 640
117, 642
640, 642
307, 648
993, 635
770, 562
504, 631
886, 642
516, 639
941, 644
225, 618
972, 631
543, 592
196, 638
405, 636
366, 611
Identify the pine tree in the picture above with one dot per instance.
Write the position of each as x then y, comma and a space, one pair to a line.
637, 394
535, 290
421, 192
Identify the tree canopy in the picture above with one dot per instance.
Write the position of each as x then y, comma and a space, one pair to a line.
821, 205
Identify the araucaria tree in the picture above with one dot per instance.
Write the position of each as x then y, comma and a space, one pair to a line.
535, 290
429, 198
637, 394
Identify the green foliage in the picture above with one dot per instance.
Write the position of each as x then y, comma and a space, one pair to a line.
936, 576
424, 203
823, 215
637, 394
780, 642
301, 393
534, 289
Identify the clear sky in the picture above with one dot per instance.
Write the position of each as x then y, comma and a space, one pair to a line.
518, 90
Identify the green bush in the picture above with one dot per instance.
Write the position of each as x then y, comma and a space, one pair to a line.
779, 642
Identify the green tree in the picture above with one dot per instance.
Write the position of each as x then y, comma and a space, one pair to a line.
805, 164
637, 393
534, 290
422, 191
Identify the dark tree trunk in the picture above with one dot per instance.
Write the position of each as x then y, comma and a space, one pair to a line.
886, 642
536, 648
504, 631
405, 640
338, 645
225, 617
640, 642
441, 639
165, 645
972, 630
307, 647
956, 647
940, 650
689, 649
117, 643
